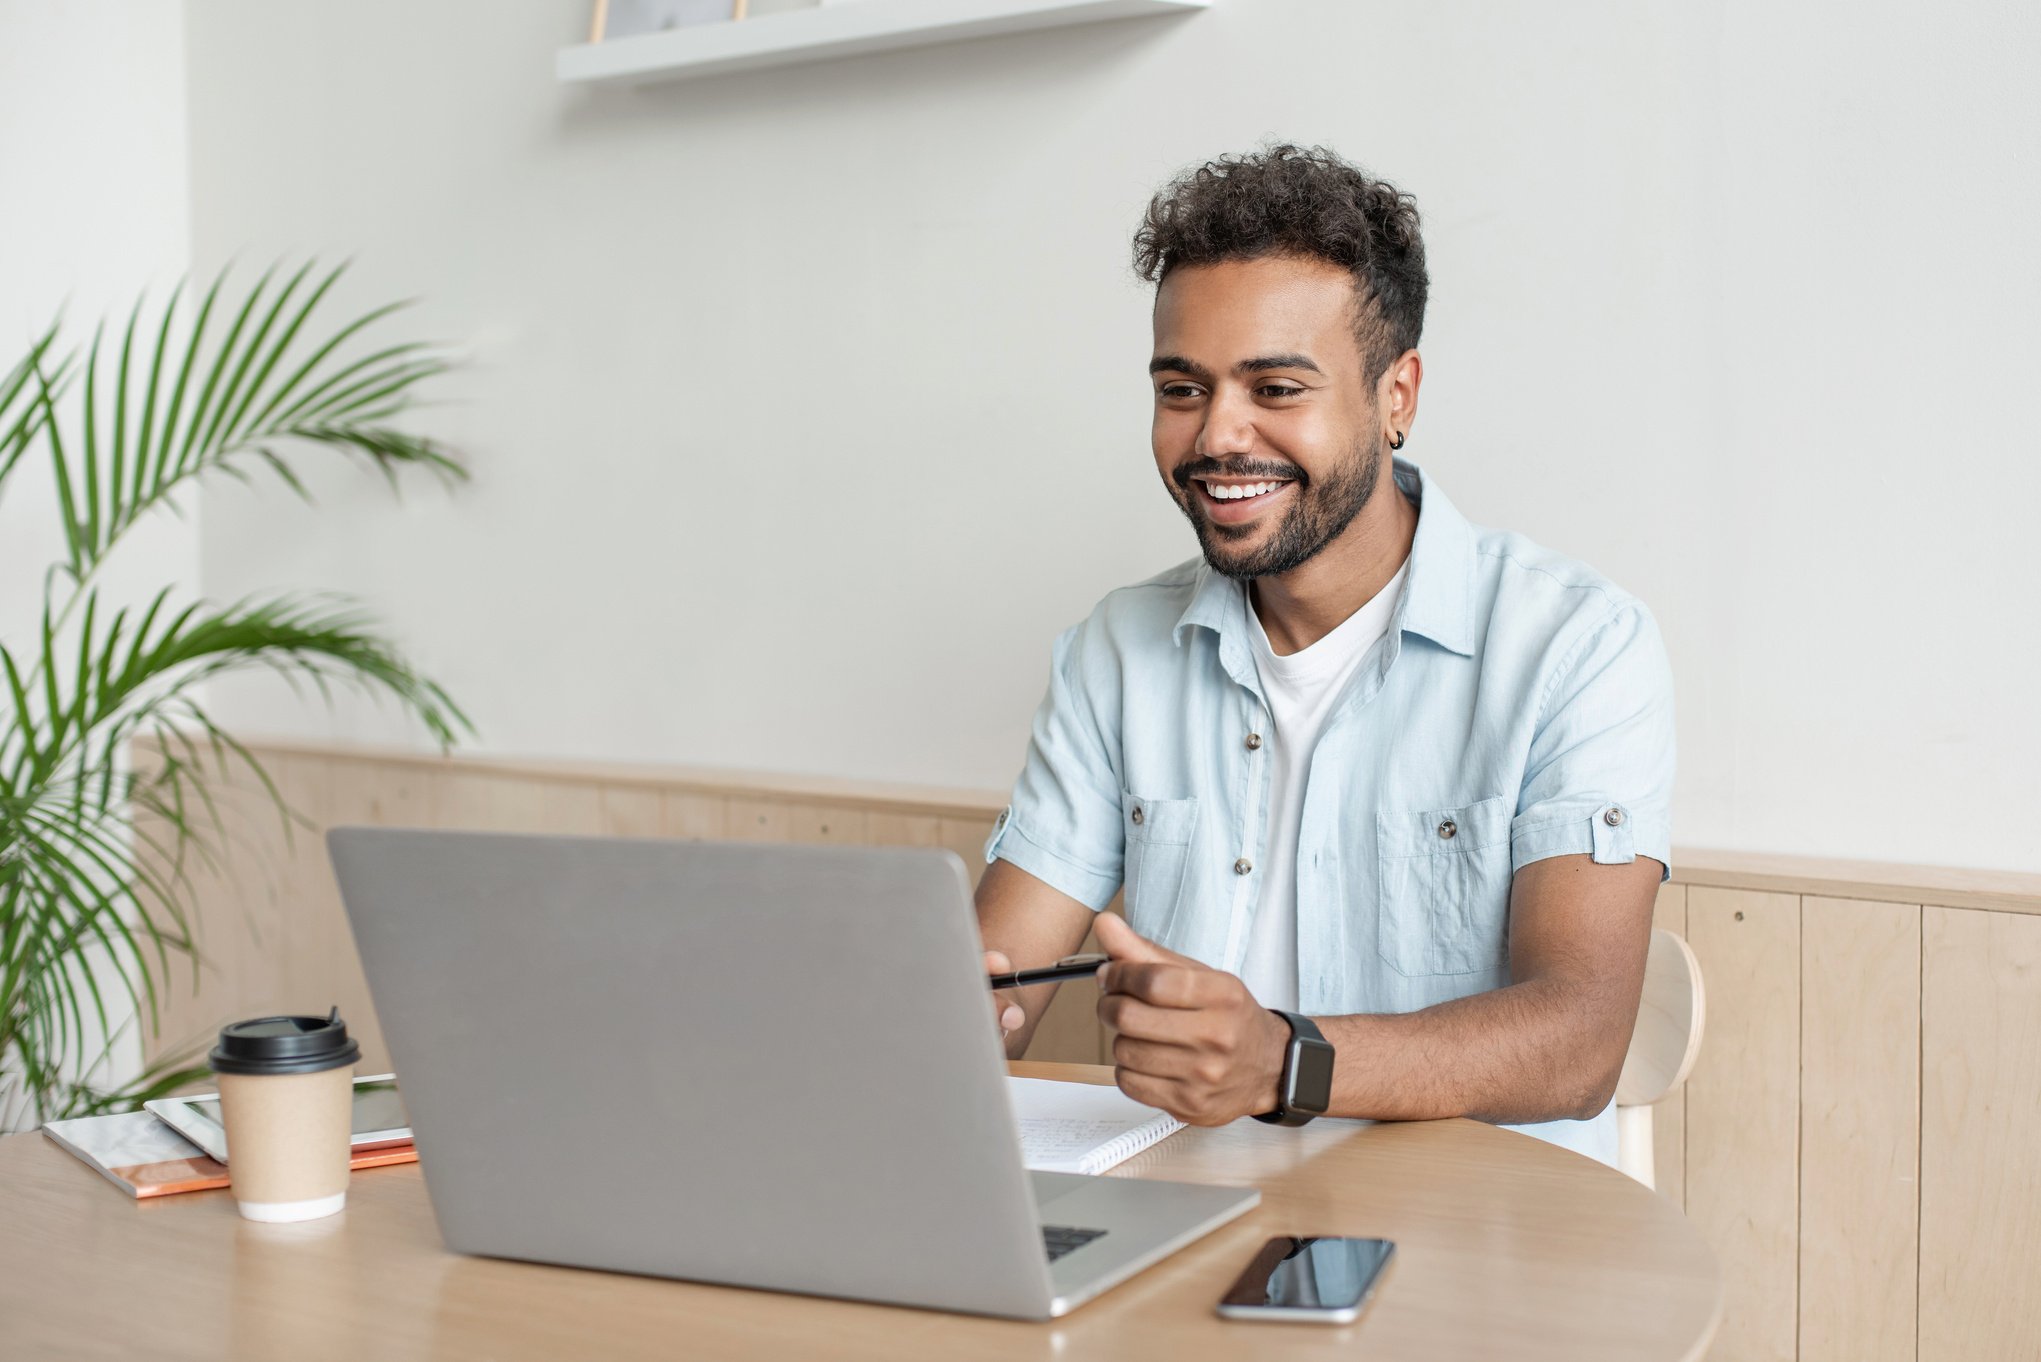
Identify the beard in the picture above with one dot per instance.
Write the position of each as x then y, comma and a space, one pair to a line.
1319, 514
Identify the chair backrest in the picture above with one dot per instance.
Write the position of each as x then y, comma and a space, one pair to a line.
1669, 1022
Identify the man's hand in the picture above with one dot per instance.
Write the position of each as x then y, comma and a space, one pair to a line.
1005, 1011
1022, 919
1192, 1040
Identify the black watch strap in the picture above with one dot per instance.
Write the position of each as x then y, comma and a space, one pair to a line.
1305, 1088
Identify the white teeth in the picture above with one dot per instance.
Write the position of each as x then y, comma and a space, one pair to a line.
1238, 493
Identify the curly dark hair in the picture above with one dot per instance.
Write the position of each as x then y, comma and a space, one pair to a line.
1286, 200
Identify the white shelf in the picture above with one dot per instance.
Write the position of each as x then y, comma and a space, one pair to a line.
846, 28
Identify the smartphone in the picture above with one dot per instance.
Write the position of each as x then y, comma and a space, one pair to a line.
1326, 1280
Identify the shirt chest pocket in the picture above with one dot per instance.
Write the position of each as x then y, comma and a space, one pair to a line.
1158, 853
1445, 882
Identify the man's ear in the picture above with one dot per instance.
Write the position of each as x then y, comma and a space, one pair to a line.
1396, 396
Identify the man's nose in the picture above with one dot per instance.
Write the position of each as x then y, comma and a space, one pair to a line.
1228, 430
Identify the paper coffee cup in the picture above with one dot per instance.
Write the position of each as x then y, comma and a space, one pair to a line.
287, 1100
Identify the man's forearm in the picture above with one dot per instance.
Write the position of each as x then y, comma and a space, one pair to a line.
1542, 1050
1033, 1003
1031, 924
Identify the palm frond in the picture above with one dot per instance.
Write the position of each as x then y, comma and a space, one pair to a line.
22, 404
98, 858
123, 675
229, 404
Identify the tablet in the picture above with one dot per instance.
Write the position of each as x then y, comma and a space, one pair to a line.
379, 1119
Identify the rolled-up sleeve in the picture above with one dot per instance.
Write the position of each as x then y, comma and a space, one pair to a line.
1063, 826
1599, 777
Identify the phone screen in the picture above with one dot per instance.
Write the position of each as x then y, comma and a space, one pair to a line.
1323, 1274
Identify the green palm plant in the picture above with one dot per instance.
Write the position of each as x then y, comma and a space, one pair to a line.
94, 906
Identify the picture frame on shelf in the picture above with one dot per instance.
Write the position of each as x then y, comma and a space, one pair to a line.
613, 19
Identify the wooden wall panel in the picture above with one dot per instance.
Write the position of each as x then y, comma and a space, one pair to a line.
1669, 1114
570, 806
1743, 1114
234, 884
631, 811
687, 814
903, 829
179, 978
484, 801
758, 820
1980, 1137
966, 837
1859, 1129
826, 824
391, 796
174, 1023
281, 901
354, 794
304, 899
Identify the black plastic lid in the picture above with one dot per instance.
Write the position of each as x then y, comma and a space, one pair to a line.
284, 1045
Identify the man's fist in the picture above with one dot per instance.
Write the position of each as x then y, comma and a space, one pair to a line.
1192, 1040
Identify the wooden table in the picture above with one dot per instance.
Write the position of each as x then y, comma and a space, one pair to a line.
1507, 1247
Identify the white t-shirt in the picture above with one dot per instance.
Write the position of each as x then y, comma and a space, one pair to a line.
1300, 690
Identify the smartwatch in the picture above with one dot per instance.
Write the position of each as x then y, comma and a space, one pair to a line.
1305, 1089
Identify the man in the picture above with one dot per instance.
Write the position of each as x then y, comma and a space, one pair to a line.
1367, 772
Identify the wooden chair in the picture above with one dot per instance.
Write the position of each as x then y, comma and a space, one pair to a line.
1662, 1048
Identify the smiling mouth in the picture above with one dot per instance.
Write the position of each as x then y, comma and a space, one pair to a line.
1237, 492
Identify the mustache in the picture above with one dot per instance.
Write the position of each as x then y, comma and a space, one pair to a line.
1184, 474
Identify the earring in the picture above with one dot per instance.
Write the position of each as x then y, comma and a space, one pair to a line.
1396, 439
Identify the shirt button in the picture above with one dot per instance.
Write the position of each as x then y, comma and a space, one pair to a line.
1138, 816
1242, 866
1614, 817
1253, 741
1448, 828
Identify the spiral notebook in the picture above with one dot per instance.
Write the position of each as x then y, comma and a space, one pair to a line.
1082, 1127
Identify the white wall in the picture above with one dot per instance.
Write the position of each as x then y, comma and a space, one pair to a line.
92, 211
807, 405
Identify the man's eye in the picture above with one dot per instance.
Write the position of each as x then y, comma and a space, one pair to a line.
1279, 390
1177, 391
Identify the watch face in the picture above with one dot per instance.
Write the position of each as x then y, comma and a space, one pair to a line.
1312, 1090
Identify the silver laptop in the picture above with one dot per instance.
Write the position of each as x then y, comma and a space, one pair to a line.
767, 1066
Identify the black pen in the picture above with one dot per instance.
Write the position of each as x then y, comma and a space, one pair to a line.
1069, 967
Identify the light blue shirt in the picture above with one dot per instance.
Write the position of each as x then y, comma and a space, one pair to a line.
1519, 707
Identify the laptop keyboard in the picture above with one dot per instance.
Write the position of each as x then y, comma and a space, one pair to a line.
1061, 1239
